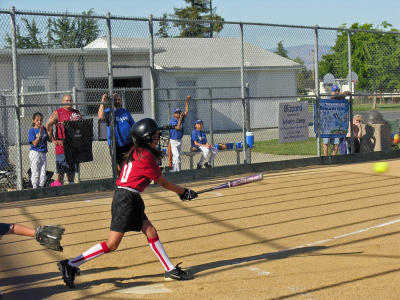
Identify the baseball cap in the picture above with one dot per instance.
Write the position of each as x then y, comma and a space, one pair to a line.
335, 88
198, 121
177, 110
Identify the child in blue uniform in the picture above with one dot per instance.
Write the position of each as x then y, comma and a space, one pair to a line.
199, 141
38, 138
176, 135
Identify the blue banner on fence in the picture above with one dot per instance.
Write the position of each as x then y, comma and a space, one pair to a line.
334, 118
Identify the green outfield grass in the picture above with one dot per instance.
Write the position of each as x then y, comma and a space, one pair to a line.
308, 147
367, 107
379, 107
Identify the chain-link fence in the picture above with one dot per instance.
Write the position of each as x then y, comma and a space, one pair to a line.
237, 75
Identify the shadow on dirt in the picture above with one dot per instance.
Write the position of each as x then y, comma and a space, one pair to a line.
267, 256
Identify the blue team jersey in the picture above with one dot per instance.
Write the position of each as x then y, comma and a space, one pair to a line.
42, 145
123, 125
198, 136
173, 133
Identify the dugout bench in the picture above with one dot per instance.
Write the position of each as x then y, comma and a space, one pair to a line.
192, 154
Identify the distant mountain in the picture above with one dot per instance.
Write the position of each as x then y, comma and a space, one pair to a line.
305, 52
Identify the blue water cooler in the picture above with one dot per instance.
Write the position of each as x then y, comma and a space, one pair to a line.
250, 139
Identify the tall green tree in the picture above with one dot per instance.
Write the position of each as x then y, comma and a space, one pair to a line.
375, 58
62, 32
66, 32
164, 27
281, 50
30, 40
197, 10
87, 29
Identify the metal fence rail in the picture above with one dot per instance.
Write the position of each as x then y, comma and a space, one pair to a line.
236, 79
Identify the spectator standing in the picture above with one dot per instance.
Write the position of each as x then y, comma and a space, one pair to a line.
176, 135
38, 138
123, 124
335, 94
357, 133
66, 113
199, 141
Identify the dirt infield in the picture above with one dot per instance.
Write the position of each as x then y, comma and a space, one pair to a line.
312, 233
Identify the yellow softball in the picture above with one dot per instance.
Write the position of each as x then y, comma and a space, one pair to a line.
380, 167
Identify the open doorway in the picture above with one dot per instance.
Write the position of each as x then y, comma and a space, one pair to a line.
132, 100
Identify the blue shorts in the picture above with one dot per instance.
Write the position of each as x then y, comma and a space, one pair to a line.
332, 141
4, 228
63, 167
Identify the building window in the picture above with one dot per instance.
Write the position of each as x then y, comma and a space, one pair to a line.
132, 100
92, 95
33, 84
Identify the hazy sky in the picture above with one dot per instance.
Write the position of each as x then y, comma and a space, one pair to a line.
298, 12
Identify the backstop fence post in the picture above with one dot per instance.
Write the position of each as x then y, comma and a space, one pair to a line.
75, 100
152, 72
74, 96
350, 82
316, 75
18, 161
243, 93
210, 95
111, 97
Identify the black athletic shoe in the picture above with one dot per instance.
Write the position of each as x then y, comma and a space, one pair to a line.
68, 272
177, 274
199, 166
207, 165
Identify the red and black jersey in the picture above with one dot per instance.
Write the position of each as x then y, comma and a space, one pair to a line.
139, 173
64, 115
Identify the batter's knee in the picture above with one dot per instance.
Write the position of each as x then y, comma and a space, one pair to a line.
150, 232
112, 246
153, 231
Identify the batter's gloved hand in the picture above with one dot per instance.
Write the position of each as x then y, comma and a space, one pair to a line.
50, 236
188, 195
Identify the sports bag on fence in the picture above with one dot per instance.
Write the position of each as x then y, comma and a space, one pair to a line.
78, 141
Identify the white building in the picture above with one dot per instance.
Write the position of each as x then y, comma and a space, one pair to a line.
188, 63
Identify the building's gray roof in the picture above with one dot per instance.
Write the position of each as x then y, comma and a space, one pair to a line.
180, 53
201, 53
75, 51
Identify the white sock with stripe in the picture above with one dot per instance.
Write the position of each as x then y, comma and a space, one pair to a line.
93, 252
158, 249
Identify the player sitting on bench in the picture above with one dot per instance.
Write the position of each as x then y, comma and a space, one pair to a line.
199, 141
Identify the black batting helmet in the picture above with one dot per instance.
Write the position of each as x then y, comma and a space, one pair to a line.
143, 130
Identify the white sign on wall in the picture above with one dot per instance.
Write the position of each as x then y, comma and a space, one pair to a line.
293, 121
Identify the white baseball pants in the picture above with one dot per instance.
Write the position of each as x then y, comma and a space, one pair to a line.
176, 147
38, 168
207, 151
